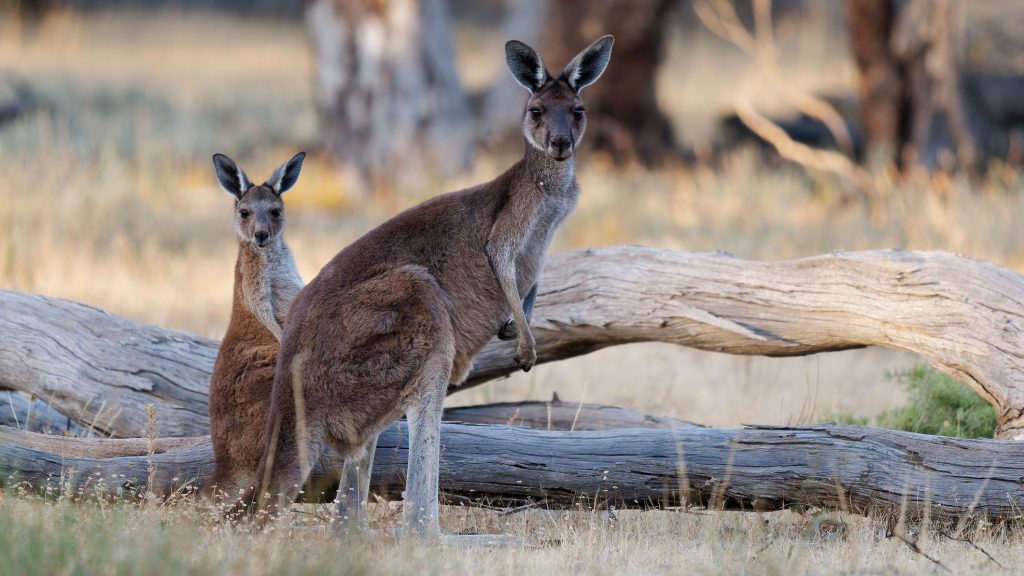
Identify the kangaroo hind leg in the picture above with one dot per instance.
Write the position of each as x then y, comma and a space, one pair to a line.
296, 441
354, 488
420, 507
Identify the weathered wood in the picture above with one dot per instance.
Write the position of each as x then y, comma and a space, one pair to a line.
962, 314
34, 415
101, 369
561, 415
853, 468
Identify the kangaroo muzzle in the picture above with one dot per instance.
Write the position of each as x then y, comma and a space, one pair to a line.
560, 147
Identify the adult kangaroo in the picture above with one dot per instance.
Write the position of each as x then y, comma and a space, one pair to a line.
266, 283
399, 314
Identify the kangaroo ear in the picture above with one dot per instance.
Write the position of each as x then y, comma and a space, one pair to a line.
588, 65
285, 177
230, 176
525, 65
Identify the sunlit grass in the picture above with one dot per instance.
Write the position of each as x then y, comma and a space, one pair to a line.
66, 537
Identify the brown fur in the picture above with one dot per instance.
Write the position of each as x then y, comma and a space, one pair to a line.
266, 283
400, 313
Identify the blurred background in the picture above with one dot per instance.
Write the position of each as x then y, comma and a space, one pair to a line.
769, 130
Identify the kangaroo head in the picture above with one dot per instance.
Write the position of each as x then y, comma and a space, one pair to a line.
259, 211
555, 118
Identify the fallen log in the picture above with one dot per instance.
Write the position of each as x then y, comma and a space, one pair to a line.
860, 470
560, 415
964, 315
34, 415
101, 369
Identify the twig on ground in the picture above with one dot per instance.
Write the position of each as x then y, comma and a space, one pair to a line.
915, 548
975, 546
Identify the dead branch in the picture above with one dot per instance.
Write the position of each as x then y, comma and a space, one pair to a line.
962, 314
858, 469
719, 17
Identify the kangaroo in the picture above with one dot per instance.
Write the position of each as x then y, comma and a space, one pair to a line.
266, 283
399, 314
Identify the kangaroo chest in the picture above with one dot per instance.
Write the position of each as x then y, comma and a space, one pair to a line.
284, 284
269, 283
553, 210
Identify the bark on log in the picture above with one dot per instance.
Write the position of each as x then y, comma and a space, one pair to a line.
101, 369
962, 314
561, 415
847, 467
33, 415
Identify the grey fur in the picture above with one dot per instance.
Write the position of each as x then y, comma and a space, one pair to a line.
287, 175
589, 64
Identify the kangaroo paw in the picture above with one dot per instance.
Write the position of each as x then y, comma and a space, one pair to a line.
507, 330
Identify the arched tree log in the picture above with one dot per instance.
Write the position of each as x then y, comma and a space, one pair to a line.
962, 314
101, 369
845, 467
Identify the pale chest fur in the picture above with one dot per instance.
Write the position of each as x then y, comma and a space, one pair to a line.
270, 282
556, 197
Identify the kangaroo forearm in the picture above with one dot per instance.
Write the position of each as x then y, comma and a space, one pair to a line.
512, 296
502, 259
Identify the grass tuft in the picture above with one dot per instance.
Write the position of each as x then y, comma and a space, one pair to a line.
939, 405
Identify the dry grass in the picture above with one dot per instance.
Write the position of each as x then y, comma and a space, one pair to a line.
108, 198
68, 538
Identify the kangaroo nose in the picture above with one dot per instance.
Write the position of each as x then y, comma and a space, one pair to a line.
261, 236
561, 144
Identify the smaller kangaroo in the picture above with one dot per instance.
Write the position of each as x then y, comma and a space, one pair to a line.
266, 283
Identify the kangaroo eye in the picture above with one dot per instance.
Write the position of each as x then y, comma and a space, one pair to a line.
276, 213
243, 213
535, 113
578, 112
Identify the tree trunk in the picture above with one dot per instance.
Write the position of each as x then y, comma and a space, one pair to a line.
625, 119
101, 369
881, 87
389, 96
856, 469
908, 57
